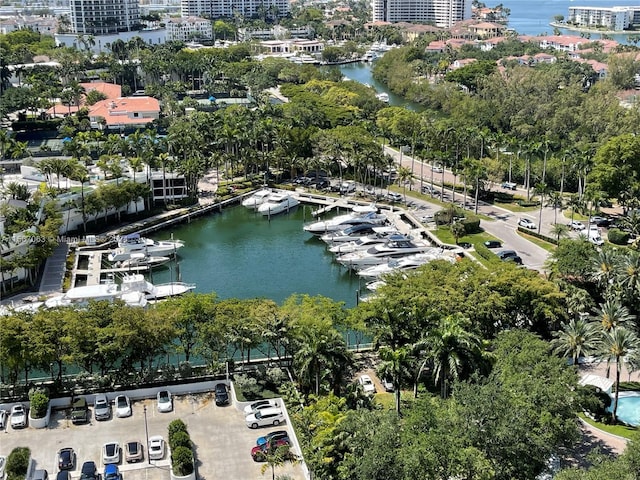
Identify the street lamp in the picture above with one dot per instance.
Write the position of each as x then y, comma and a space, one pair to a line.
146, 432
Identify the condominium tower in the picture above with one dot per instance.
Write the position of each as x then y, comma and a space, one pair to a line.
229, 8
100, 17
442, 13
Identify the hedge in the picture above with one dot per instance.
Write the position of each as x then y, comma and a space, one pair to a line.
182, 461
177, 426
179, 439
471, 224
618, 237
39, 401
486, 254
538, 235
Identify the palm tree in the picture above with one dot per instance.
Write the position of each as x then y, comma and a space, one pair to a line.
560, 230
612, 313
617, 345
458, 230
575, 202
555, 202
604, 267
404, 177
80, 174
393, 365
452, 349
628, 273
541, 190
575, 339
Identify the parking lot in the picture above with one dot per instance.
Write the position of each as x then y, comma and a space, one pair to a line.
222, 441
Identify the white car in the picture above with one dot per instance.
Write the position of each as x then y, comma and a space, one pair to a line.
387, 384
156, 448
4, 415
260, 405
437, 169
18, 416
367, 384
526, 223
165, 401
123, 406
111, 453
575, 225
265, 417
3, 465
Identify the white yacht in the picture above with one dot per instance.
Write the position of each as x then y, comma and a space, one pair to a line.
141, 260
383, 97
349, 234
258, 198
409, 262
277, 203
359, 214
134, 243
379, 235
137, 283
396, 246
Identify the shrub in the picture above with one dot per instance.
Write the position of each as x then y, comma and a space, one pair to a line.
471, 224
18, 463
175, 427
487, 254
39, 402
179, 439
618, 237
593, 401
182, 461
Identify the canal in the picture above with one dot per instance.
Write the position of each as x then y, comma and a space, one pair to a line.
361, 72
238, 254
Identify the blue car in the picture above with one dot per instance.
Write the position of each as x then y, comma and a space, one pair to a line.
273, 437
111, 472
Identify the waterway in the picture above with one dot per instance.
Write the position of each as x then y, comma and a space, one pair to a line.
533, 17
361, 72
238, 254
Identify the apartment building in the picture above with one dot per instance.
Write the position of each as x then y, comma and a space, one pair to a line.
610, 18
442, 13
229, 8
100, 17
187, 29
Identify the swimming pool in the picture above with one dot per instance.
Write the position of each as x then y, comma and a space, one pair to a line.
628, 408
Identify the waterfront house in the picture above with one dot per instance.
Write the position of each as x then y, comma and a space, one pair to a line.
123, 112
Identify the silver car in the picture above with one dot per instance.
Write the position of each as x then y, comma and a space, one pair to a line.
102, 407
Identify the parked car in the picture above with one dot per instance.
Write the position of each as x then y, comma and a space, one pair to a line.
3, 466
111, 453
4, 415
222, 394
526, 223
260, 405
575, 225
101, 407
156, 448
40, 475
80, 411
601, 221
322, 184
493, 244
437, 168
394, 197
387, 384
509, 185
427, 190
165, 401
62, 475
89, 471
347, 187
262, 418
66, 459
18, 416
367, 384
133, 452
515, 259
123, 406
111, 472
269, 437
502, 254
259, 453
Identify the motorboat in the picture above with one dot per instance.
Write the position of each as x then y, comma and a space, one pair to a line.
359, 214
137, 283
396, 246
141, 260
277, 203
349, 234
258, 198
134, 243
409, 262
383, 97
379, 235
81, 296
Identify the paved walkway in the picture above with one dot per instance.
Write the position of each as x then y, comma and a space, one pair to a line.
54, 270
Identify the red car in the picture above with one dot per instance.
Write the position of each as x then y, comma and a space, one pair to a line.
259, 453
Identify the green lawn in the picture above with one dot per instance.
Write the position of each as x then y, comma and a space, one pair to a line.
514, 207
549, 247
475, 239
576, 215
620, 430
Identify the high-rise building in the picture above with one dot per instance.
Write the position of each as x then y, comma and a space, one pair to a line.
100, 17
442, 13
229, 8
